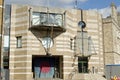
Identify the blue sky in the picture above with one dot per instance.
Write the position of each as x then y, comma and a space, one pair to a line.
98, 4
83, 4
102, 6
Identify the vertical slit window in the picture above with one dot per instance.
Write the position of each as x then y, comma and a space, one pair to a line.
71, 44
19, 42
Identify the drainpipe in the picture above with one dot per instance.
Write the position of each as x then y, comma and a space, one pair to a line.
1, 37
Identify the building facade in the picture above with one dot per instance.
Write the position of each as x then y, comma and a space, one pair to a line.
48, 43
111, 31
111, 42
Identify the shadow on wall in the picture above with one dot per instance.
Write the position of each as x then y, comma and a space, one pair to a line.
39, 33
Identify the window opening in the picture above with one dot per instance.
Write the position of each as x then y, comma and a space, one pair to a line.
83, 64
19, 41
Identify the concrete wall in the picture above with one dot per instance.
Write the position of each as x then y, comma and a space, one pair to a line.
21, 58
118, 18
108, 41
111, 31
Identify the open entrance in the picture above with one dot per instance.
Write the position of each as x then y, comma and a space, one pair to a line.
83, 64
47, 67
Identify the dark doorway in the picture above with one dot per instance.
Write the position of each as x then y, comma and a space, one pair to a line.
83, 64
47, 66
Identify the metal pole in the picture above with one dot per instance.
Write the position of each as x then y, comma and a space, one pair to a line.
48, 3
1, 37
1, 32
81, 15
48, 12
82, 42
82, 34
75, 4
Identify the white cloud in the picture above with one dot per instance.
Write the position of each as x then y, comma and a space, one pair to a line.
31, 2
118, 8
61, 3
65, 1
105, 12
83, 0
53, 3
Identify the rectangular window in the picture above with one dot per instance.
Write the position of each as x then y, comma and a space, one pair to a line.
41, 18
83, 64
19, 42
